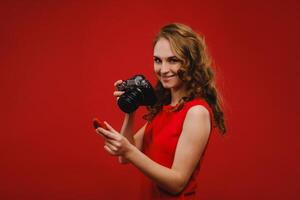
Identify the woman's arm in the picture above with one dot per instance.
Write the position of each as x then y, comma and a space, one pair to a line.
190, 145
127, 131
127, 127
193, 139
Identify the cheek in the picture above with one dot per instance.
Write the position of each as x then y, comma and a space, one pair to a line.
156, 69
175, 68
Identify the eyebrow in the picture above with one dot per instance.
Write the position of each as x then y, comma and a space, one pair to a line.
167, 57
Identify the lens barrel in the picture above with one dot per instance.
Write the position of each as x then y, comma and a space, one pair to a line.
129, 102
138, 91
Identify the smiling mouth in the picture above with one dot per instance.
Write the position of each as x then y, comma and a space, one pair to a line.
167, 76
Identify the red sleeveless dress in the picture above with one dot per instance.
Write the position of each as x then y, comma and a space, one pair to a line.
159, 144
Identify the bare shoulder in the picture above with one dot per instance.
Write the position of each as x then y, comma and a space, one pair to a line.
197, 118
192, 141
198, 111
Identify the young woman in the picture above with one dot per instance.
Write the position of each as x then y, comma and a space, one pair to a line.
169, 148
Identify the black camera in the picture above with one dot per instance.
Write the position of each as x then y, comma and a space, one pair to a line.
138, 91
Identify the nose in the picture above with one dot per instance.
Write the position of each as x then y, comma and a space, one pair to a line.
164, 68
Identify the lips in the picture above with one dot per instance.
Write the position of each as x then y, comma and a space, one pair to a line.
166, 78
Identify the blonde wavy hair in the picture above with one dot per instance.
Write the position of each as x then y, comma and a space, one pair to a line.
196, 73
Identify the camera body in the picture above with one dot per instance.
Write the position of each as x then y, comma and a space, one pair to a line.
138, 92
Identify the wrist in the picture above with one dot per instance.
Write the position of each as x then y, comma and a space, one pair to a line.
130, 114
130, 151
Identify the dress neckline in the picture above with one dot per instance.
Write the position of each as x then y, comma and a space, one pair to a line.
169, 107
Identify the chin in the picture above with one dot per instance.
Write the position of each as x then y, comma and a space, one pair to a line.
168, 86
171, 86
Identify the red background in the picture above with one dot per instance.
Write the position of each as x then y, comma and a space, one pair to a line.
59, 60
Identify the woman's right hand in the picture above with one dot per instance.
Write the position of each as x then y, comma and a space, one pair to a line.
118, 93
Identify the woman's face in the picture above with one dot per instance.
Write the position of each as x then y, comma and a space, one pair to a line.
166, 65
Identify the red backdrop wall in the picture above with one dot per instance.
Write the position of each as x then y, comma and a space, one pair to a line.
59, 60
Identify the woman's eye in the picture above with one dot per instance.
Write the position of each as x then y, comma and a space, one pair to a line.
173, 60
156, 60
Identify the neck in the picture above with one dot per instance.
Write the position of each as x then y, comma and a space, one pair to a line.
176, 95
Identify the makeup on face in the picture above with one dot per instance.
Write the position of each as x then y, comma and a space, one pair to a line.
166, 64
166, 67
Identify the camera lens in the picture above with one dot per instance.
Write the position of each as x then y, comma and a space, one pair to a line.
138, 91
129, 102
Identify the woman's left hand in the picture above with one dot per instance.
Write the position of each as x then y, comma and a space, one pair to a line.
115, 143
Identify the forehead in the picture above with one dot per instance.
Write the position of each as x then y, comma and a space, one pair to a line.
163, 49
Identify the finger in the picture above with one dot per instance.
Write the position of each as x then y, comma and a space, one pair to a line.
110, 127
112, 147
118, 93
106, 139
109, 150
118, 82
113, 142
99, 132
108, 133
